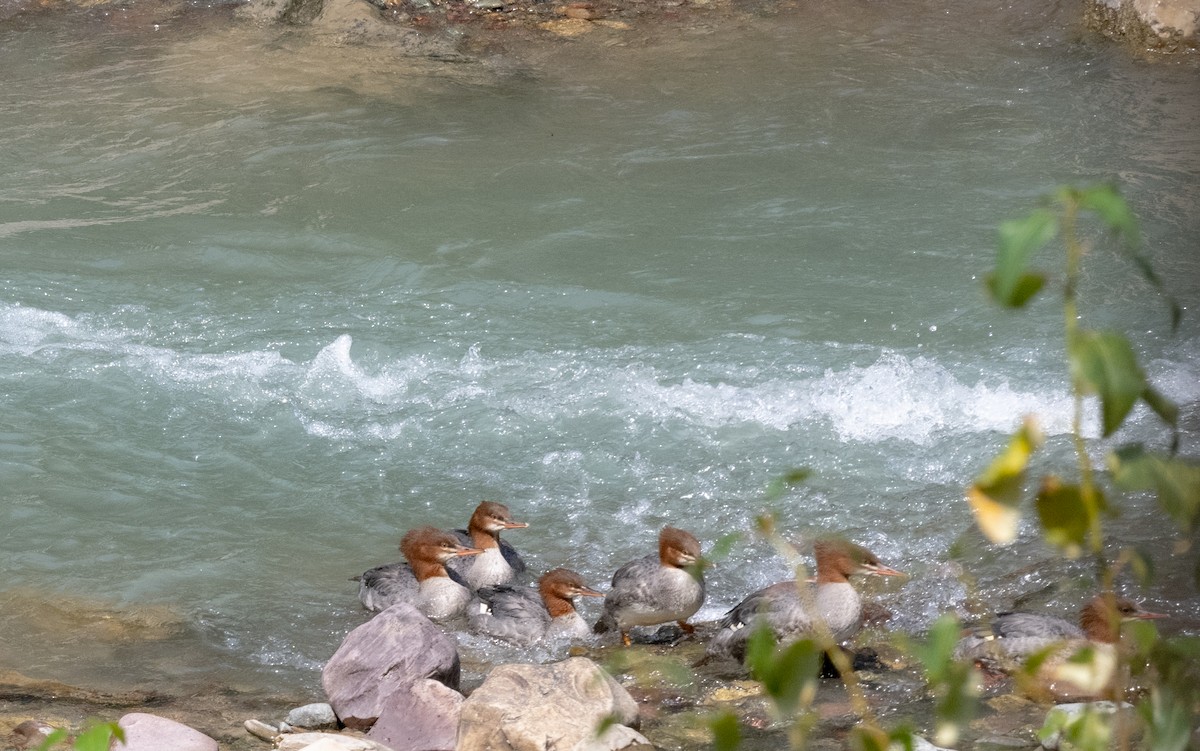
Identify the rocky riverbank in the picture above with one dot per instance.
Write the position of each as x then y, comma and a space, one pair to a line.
462, 29
656, 696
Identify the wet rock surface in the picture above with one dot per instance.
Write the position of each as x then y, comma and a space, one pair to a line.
520, 707
379, 662
459, 30
1162, 26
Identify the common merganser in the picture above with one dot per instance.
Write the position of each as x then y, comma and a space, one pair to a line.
499, 563
422, 581
659, 588
781, 606
1007, 640
523, 615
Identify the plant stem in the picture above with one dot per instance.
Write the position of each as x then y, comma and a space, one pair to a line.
1087, 483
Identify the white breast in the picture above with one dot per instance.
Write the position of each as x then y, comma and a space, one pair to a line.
841, 608
568, 627
440, 597
489, 569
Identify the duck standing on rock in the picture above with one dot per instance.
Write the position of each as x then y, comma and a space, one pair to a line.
499, 562
422, 580
783, 608
659, 588
523, 615
1004, 643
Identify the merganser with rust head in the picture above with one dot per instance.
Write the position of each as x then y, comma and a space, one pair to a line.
659, 588
422, 580
499, 562
523, 615
1007, 640
782, 607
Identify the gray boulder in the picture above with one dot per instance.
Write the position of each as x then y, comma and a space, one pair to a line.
386, 655
317, 715
534, 707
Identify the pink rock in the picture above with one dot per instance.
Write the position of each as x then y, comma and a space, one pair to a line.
424, 718
383, 656
147, 732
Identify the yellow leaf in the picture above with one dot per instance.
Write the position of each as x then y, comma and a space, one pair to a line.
998, 521
996, 495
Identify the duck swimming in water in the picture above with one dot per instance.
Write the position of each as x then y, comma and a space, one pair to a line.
783, 609
659, 588
499, 562
422, 580
1004, 643
1011, 637
523, 615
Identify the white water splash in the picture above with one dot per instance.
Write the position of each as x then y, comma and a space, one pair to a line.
898, 397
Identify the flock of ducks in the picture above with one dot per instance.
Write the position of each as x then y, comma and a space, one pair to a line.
472, 573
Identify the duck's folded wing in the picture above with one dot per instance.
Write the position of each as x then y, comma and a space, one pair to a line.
384, 586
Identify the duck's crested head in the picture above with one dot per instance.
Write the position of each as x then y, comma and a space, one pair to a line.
430, 544
493, 517
1102, 616
566, 584
838, 559
678, 548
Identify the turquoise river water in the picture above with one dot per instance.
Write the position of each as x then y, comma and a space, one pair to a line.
265, 305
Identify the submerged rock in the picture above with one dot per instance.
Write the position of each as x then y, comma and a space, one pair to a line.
29, 734
520, 707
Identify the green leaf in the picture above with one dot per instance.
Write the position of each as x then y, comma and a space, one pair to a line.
1143, 635
1066, 516
1103, 363
1018, 292
606, 722
1168, 719
937, 652
792, 681
1090, 731
788, 674
1142, 565
722, 546
869, 738
760, 650
954, 684
1174, 480
1011, 284
99, 736
901, 739
996, 494
1106, 202
1162, 406
789, 480
726, 731
56, 737
1148, 273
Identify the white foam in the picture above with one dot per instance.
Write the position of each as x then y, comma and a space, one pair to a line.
898, 397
